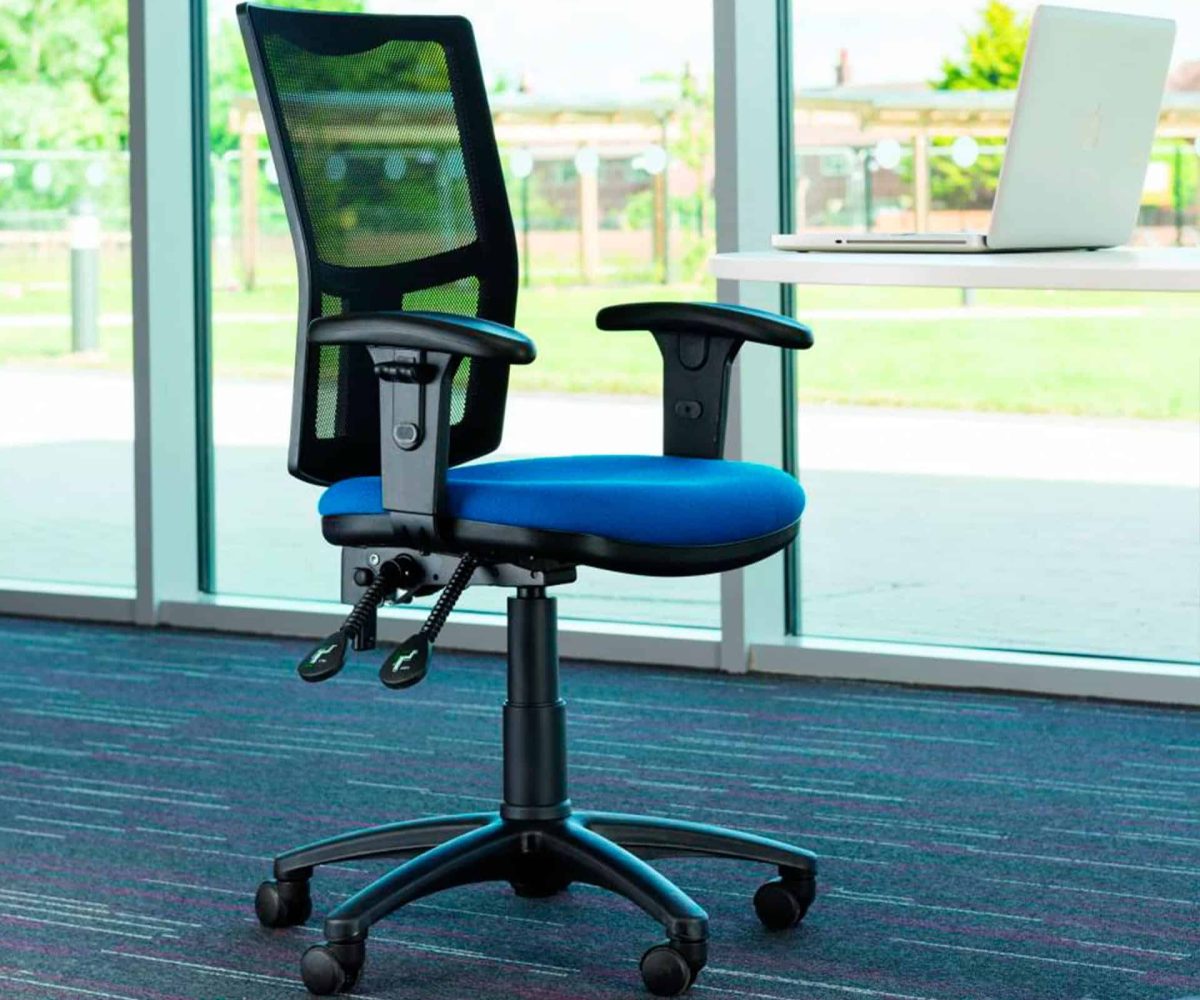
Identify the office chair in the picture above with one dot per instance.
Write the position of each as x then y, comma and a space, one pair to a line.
387, 162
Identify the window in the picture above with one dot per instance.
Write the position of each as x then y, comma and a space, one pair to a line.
609, 166
66, 400
1014, 470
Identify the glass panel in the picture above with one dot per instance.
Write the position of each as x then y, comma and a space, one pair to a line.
603, 112
1013, 469
66, 398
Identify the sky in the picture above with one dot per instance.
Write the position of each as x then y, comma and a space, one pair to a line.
892, 42
581, 48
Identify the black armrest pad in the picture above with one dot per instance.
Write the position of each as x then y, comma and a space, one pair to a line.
710, 319
464, 336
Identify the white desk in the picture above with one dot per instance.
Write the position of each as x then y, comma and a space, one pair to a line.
1132, 270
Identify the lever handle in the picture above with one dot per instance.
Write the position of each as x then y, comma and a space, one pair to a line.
326, 658
409, 662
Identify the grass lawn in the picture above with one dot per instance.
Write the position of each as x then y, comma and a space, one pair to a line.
1144, 365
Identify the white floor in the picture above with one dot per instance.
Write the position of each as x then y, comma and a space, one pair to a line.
1016, 531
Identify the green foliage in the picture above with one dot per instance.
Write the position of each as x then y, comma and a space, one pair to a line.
64, 86
689, 217
992, 53
691, 263
639, 211
958, 187
63, 74
694, 113
229, 72
695, 143
502, 83
229, 79
991, 60
1183, 166
1189, 178
545, 213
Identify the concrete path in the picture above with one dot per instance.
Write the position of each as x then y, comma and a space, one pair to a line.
1012, 531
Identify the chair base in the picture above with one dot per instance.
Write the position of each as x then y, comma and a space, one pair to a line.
535, 842
538, 858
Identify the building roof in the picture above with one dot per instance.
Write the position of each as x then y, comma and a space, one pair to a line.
983, 112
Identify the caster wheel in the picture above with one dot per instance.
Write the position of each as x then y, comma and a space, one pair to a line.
782, 903
326, 969
283, 904
666, 972
539, 888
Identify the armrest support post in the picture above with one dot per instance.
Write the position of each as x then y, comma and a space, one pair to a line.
416, 356
699, 342
696, 377
414, 430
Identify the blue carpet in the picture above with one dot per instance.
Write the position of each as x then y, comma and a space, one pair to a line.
973, 846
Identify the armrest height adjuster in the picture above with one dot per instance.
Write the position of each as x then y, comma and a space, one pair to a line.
409, 372
696, 377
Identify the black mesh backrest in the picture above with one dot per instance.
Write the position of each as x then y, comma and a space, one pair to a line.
383, 140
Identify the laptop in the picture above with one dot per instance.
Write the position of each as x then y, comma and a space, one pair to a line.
1079, 147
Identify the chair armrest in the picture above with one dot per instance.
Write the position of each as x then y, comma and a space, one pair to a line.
708, 319
699, 342
416, 356
461, 336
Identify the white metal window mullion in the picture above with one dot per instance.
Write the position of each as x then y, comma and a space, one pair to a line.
162, 152
746, 54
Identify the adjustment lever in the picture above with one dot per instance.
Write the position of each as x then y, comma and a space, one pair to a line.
329, 655
326, 658
409, 662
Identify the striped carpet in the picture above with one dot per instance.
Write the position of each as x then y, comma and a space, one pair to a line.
973, 846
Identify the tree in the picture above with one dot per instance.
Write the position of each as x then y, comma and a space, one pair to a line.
992, 54
64, 83
991, 60
63, 67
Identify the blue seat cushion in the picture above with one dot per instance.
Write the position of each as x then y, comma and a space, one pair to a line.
648, 499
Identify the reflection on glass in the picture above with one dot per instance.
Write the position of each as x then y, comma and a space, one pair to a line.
996, 469
609, 168
66, 400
